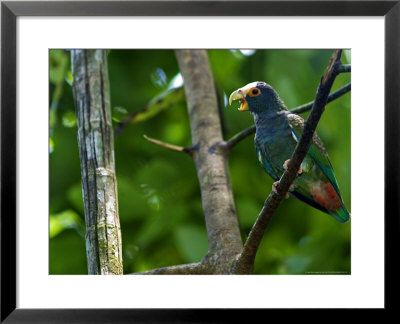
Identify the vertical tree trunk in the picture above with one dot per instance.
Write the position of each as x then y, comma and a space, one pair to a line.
211, 162
96, 148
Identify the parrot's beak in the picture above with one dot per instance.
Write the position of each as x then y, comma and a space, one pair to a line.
239, 95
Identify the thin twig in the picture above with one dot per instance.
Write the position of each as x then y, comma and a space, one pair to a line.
188, 150
235, 139
245, 261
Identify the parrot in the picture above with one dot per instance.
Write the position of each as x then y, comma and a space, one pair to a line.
277, 132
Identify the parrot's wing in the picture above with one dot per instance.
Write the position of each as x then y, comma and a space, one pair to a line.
316, 152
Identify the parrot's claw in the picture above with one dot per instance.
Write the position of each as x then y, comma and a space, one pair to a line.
274, 186
285, 166
291, 188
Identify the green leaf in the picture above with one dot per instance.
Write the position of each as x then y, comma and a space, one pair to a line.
69, 119
159, 78
159, 103
347, 56
119, 114
67, 219
69, 78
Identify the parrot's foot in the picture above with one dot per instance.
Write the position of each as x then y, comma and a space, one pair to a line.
285, 166
291, 188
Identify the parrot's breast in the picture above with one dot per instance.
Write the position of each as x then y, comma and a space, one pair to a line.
274, 134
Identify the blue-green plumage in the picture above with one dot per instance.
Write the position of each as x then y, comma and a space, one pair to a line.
277, 133
274, 140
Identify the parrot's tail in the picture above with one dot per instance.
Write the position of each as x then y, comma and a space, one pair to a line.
341, 215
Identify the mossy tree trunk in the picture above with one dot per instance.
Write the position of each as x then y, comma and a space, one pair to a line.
96, 149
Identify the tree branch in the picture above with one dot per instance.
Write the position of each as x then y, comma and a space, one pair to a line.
235, 139
191, 268
211, 164
96, 149
344, 68
228, 145
334, 95
245, 262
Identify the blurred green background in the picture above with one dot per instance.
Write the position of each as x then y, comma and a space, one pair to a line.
159, 199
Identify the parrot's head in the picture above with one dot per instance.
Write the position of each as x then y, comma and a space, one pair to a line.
257, 97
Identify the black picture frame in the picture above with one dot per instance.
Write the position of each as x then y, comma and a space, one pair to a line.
11, 10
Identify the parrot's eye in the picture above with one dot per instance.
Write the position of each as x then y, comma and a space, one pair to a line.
254, 92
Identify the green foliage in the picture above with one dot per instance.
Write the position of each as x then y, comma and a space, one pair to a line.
160, 102
68, 219
159, 199
58, 71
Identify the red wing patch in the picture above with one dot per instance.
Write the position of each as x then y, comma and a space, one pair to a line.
326, 196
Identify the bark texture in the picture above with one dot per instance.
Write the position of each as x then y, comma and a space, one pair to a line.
96, 149
211, 162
